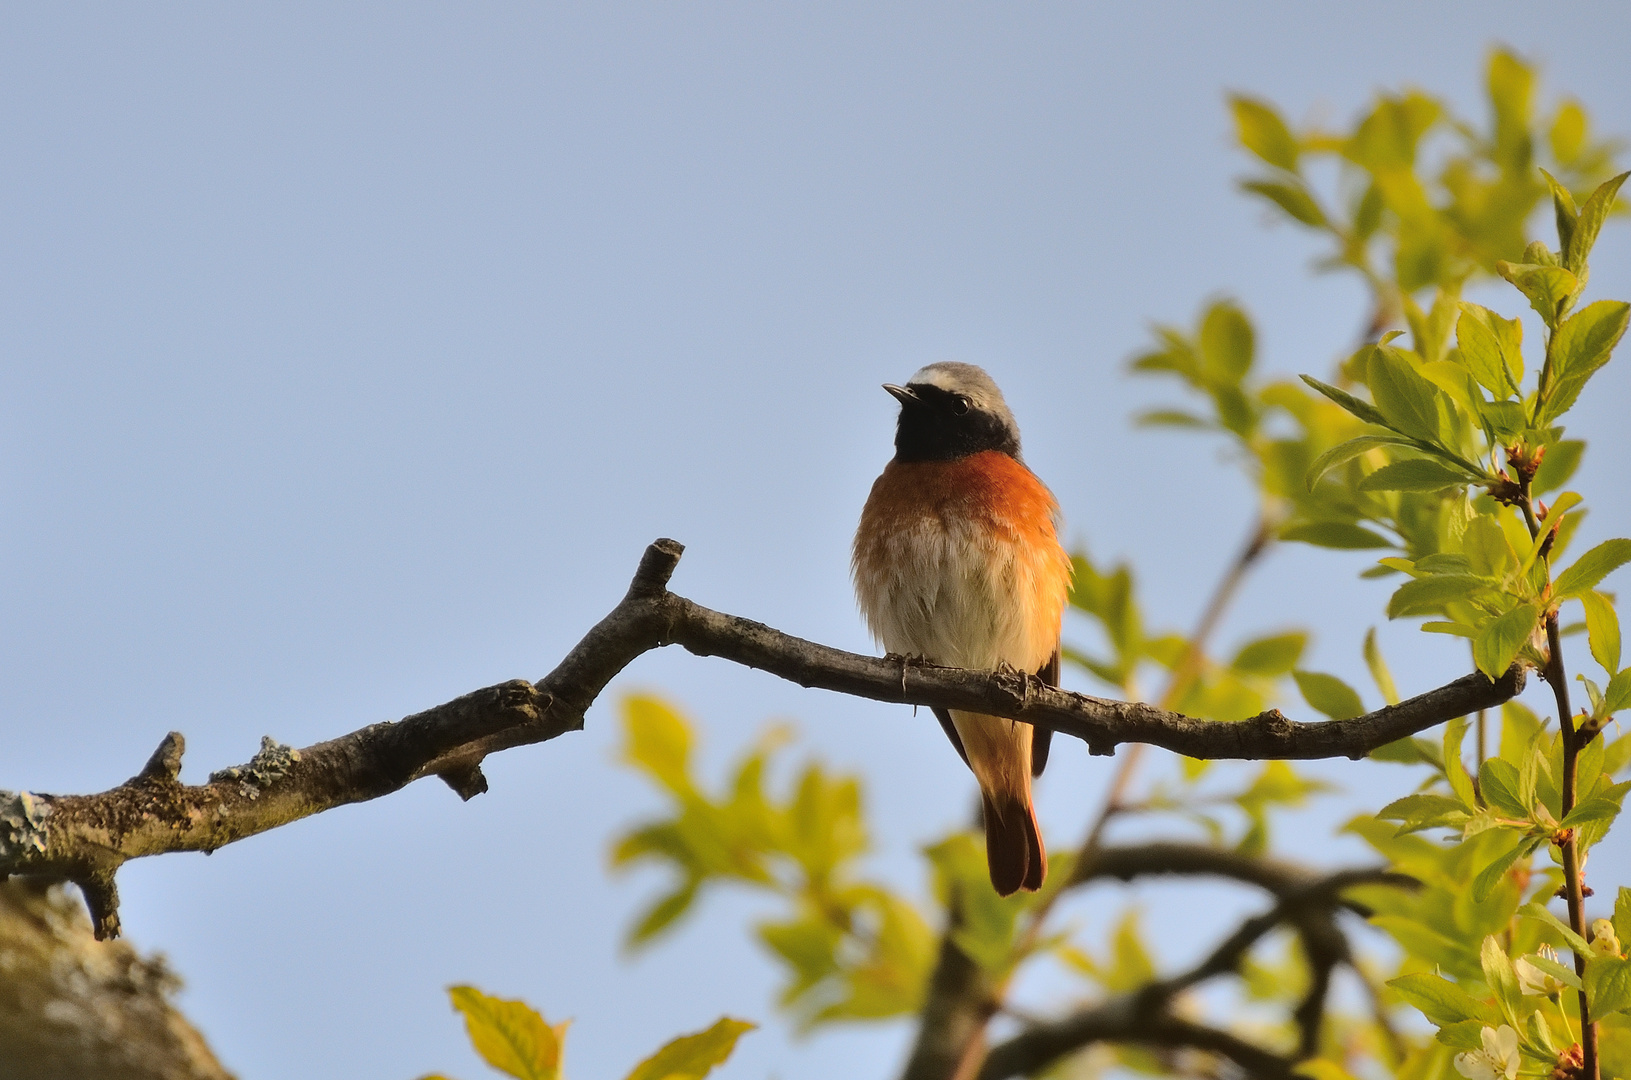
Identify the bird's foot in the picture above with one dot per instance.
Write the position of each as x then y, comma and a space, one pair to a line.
904, 662
1008, 674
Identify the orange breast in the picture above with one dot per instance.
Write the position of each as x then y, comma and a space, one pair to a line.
960, 562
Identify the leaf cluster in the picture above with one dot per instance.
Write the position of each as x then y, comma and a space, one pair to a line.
517, 1041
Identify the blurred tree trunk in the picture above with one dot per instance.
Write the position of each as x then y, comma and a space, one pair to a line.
74, 1008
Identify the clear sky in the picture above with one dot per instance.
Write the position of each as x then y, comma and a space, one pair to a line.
350, 355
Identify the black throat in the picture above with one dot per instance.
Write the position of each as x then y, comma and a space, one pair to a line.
931, 429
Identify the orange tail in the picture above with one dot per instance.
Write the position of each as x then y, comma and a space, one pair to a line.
1013, 846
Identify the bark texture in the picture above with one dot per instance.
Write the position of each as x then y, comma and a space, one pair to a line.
74, 1008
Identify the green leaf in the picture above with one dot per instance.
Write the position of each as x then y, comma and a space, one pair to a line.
1363, 410
1486, 547
1413, 474
1260, 130
1591, 810
1498, 782
1497, 644
1442, 1001
1562, 458
691, 1057
1329, 694
1417, 812
1622, 915
1170, 418
1547, 287
1602, 630
657, 741
1590, 222
1564, 211
1454, 770
1568, 132
1506, 420
1582, 345
1617, 695
1404, 397
1499, 975
1379, 672
509, 1035
1428, 595
1608, 984
1345, 452
1488, 345
1226, 342
1555, 970
1340, 535
1540, 1033
1541, 914
1291, 197
1591, 568
661, 914
1553, 519
1270, 656
1492, 875
1466, 1035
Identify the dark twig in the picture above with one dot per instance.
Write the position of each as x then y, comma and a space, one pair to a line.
1144, 1016
85, 838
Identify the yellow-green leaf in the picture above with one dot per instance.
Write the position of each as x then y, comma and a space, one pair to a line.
1292, 197
1343, 453
1548, 288
1490, 348
1582, 345
1405, 398
1590, 222
1329, 694
1379, 672
1342, 535
657, 740
509, 1035
1497, 644
1602, 630
1413, 474
1226, 342
1271, 656
691, 1057
1592, 567
1261, 131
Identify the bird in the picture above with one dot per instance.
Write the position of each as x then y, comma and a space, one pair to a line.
957, 561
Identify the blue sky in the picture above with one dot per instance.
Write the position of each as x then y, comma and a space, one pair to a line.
350, 355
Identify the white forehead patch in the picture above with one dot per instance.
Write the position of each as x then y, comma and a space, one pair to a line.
935, 375
966, 379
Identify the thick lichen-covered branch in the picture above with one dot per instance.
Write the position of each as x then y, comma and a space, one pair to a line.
85, 838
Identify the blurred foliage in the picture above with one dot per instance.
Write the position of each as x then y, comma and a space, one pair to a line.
514, 1039
1431, 445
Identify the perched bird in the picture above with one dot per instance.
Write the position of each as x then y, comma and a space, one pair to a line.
957, 560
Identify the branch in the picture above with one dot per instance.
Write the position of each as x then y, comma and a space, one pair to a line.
1144, 1016
85, 838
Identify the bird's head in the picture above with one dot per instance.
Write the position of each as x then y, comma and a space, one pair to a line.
950, 410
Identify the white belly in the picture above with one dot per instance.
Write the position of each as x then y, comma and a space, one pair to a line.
959, 594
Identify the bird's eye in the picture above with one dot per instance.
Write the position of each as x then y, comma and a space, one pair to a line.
961, 406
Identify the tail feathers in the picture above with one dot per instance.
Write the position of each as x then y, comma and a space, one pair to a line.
1013, 846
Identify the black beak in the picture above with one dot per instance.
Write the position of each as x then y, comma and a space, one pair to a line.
903, 395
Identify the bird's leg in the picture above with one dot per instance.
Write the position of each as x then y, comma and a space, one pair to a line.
904, 661
1006, 670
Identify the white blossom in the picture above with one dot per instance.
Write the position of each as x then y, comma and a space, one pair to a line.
1498, 1060
1604, 942
1532, 980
